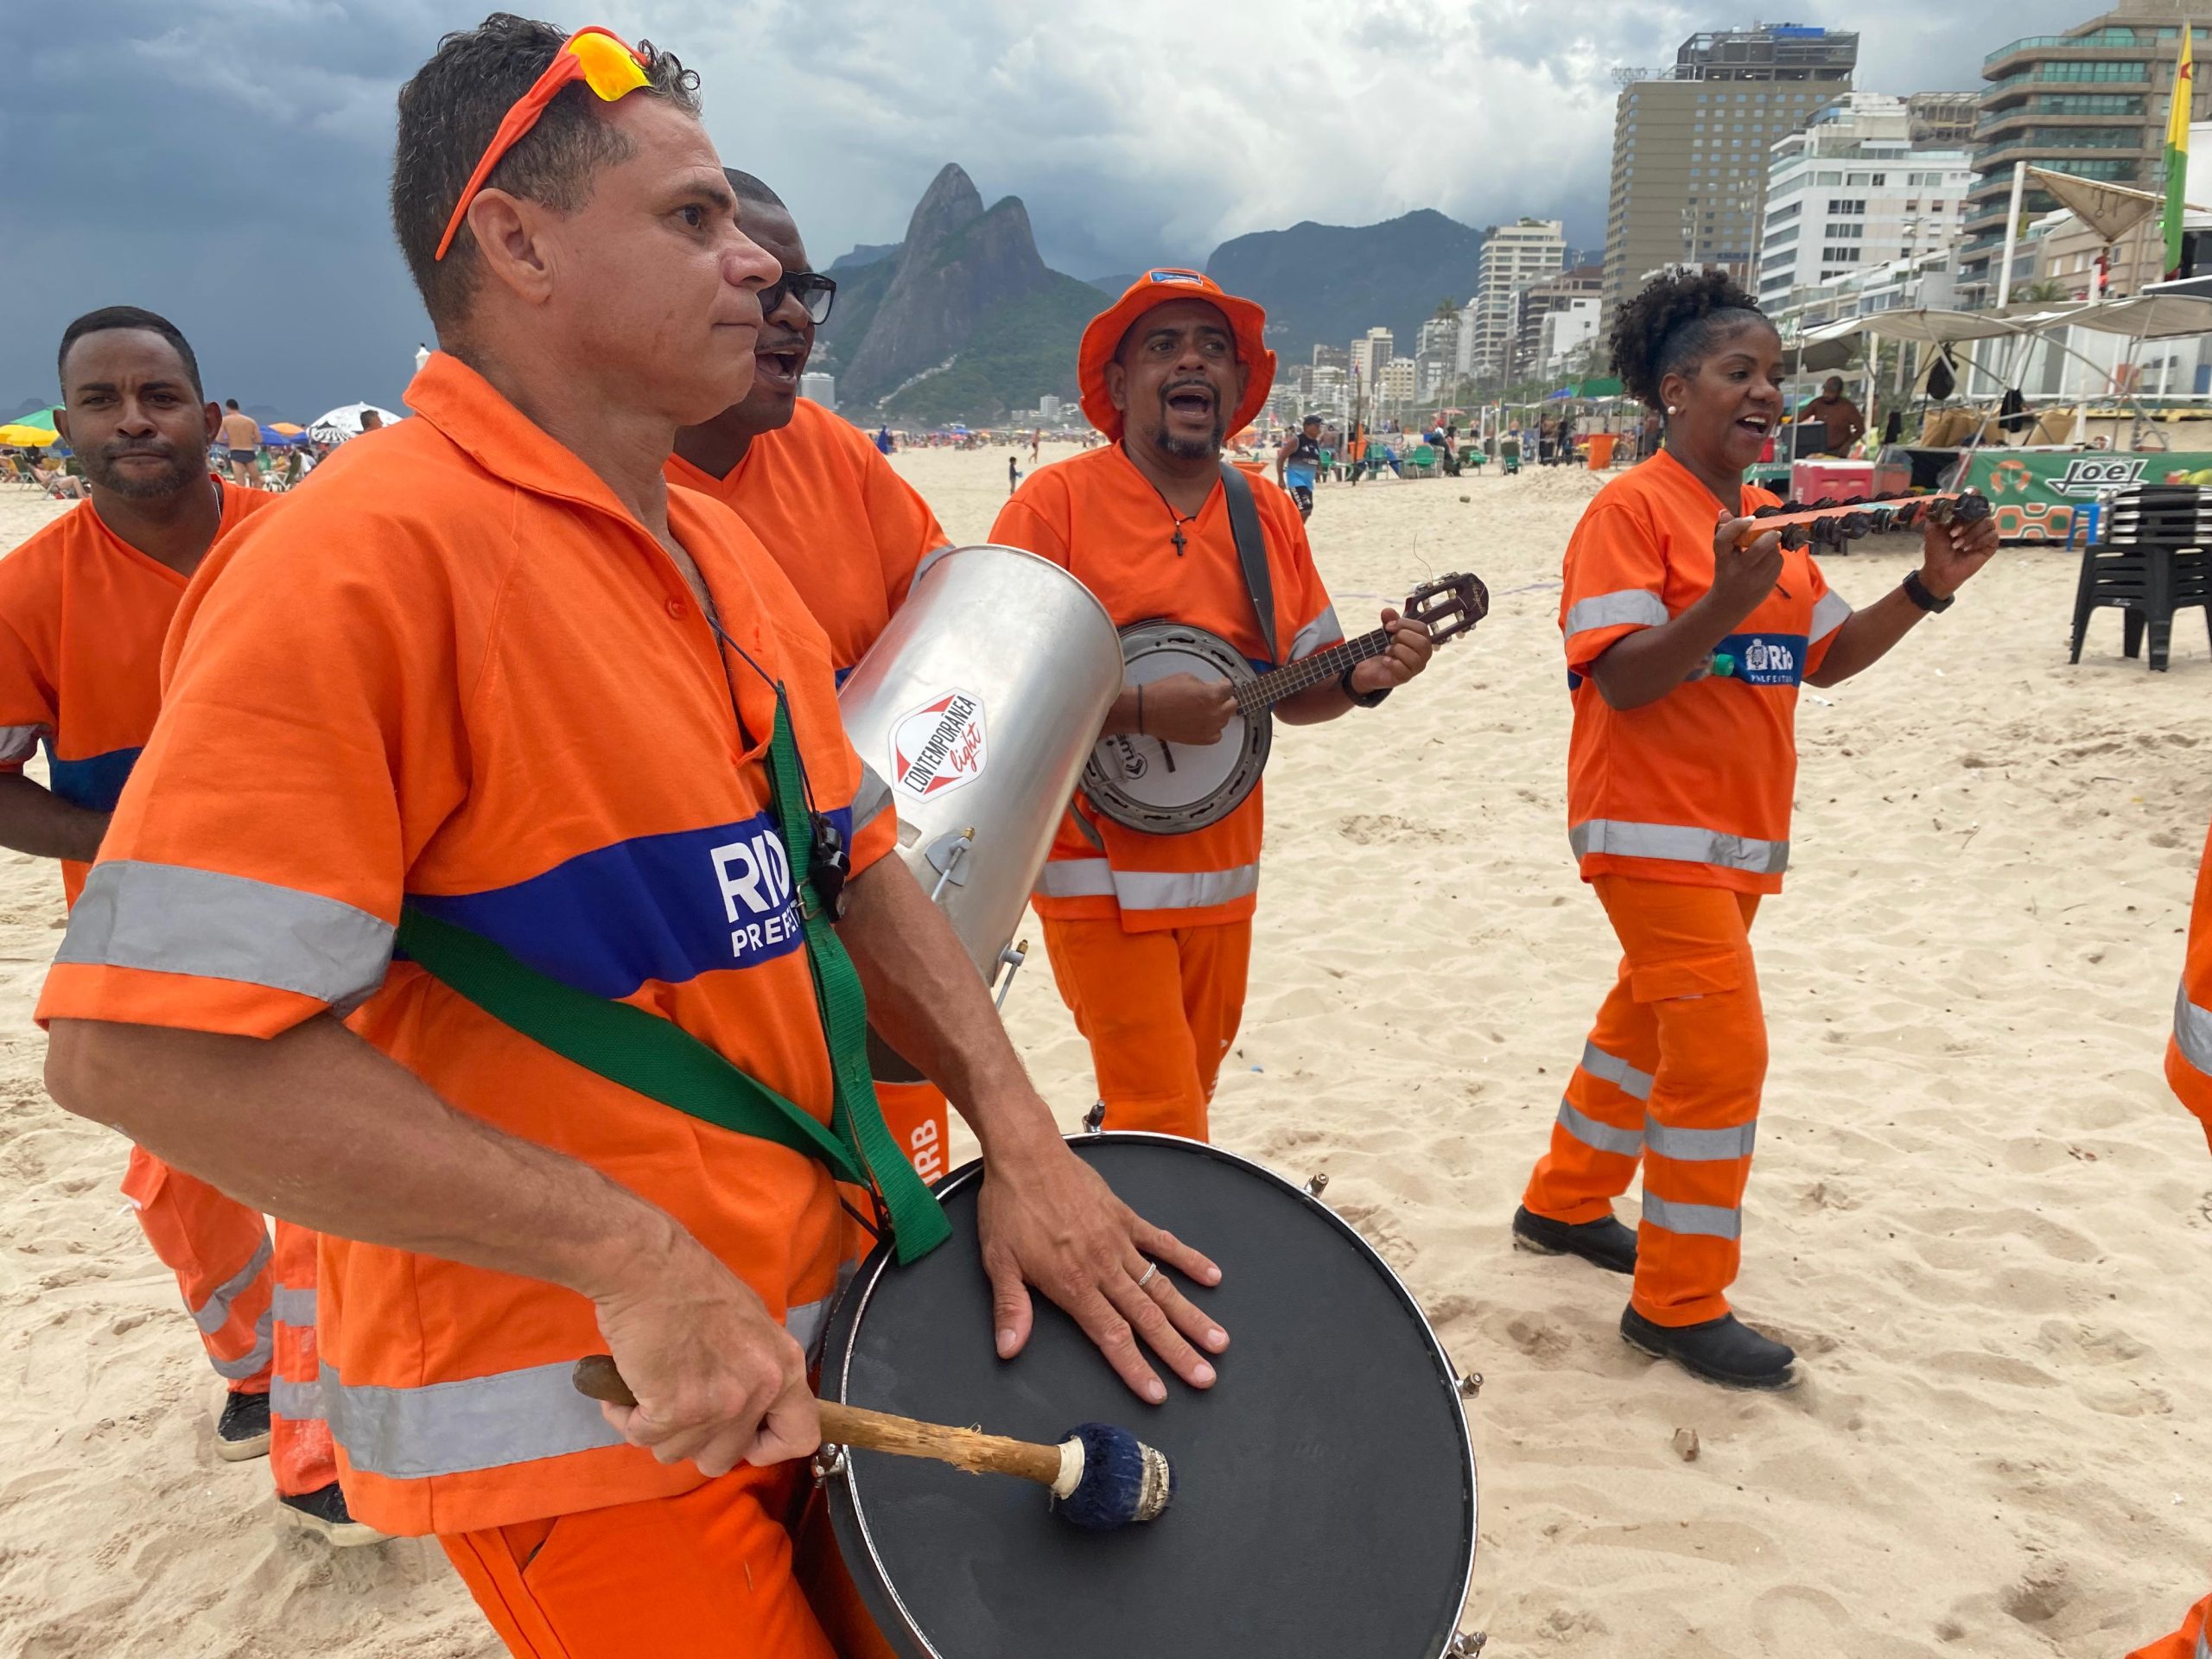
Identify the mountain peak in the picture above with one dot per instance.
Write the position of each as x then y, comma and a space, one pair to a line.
951, 204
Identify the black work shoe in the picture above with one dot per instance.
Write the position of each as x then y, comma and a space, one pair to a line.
1724, 1350
242, 1431
1604, 1240
323, 1512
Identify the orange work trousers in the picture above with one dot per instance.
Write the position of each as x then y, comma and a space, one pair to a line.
2192, 1640
301, 1455
1158, 1009
915, 1114
1671, 1076
742, 1565
219, 1250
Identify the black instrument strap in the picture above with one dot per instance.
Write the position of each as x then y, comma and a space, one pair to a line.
1252, 551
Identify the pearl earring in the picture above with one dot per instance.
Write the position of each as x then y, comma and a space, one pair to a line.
1671, 410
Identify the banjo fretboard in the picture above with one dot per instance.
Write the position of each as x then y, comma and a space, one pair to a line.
1323, 666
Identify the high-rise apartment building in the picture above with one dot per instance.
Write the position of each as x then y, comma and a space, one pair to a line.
1941, 120
1540, 300
1690, 144
1852, 189
2091, 102
1437, 357
819, 388
1328, 357
1513, 258
1368, 355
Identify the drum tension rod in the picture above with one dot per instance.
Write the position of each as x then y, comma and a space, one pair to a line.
955, 849
1467, 1645
1012, 961
1094, 1120
1317, 1186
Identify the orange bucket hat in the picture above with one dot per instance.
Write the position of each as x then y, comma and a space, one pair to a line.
1104, 335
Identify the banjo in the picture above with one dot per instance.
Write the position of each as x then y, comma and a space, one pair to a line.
1165, 789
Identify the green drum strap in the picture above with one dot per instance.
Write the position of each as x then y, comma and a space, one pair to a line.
918, 1224
623, 1044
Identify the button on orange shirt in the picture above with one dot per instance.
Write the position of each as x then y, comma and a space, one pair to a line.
1694, 788
82, 615
456, 671
1100, 519
848, 530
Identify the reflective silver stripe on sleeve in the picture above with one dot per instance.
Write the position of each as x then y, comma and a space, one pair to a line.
1705, 1220
171, 918
254, 1361
18, 742
870, 799
295, 1402
1636, 606
1076, 878
1603, 1137
1612, 1069
1701, 1145
2193, 1031
214, 1313
1830, 614
295, 1306
1184, 890
1321, 631
485, 1422
1683, 843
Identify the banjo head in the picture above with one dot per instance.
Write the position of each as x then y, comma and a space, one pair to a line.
1167, 789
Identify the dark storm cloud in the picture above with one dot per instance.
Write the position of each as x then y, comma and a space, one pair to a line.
227, 161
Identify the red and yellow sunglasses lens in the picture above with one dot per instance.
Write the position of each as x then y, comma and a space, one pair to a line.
599, 59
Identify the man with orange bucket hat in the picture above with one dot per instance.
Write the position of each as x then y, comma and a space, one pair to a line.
1149, 935
2189, 1069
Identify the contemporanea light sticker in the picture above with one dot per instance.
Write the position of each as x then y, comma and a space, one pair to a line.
940, 746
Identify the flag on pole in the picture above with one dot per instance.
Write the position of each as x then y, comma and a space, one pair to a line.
2178, 152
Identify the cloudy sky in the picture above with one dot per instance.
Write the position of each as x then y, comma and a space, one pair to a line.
225, 162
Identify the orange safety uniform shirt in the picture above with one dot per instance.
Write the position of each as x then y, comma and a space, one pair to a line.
2189, 1055
1101, 519
1694, 788
82, 615
454, 670
849, 531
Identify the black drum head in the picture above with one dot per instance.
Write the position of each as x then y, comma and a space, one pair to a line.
1324, 1504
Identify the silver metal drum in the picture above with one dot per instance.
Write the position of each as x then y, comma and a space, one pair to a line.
979, 705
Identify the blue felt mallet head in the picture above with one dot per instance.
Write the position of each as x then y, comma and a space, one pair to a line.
1109, 1478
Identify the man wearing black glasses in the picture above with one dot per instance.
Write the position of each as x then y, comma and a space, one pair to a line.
846, 529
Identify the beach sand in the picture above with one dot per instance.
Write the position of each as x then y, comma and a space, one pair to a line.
1976, 1210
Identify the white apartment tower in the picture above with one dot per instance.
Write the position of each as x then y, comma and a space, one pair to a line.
1514, 257
1368, 353
1849, 190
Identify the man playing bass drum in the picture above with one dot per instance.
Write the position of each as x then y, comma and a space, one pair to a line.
1149, 935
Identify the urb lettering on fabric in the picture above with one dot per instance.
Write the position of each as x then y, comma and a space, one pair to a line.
755, 877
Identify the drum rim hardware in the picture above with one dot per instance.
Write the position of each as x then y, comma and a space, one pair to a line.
861, 1290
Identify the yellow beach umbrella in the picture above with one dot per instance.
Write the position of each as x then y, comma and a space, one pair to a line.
28, 437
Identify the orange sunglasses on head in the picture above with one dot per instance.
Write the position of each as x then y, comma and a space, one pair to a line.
603, 62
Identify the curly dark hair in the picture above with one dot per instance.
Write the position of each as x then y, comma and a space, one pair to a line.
448, 113
1674, 324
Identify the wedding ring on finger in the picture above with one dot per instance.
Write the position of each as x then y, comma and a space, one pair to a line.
1150, 1272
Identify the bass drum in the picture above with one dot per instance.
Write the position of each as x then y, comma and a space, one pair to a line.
1167, 789
1325, 1498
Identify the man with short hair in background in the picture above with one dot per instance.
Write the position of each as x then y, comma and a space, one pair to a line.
84, 607
1837, 414
241, 443
849, 532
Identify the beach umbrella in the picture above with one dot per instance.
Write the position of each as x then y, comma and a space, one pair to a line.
288, 429
21, 434
336, 425
38, 420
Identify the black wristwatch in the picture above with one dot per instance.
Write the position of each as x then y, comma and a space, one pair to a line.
1916, 591
1371, 700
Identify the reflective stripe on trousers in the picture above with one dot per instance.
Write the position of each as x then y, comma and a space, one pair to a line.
296, 1399
1701, 1220
1681, 843
214, 1313
1093, 878
485, 1422
2193, 1031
